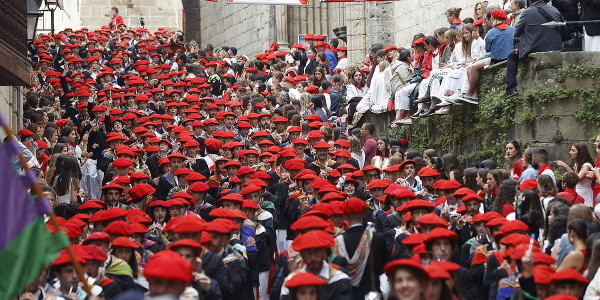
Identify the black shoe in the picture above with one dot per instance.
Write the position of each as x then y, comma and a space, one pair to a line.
509, 93
418, 114
422, 100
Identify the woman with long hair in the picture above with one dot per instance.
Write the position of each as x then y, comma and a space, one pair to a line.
452, 167
470, 179
503, 202
479, 10
50, 136
356, 89
527, 165
380, 90
356, 150
66, 183
71, 137
512, 156
407, 279
492, 183
577, 233
583, 166
402, 70
529, 210
546, 189
381, 158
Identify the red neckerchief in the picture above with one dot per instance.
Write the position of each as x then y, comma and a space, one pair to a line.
434, 55
502, 26
498, 256
544, 167
457, 22
345, 56
325, 92
335, 86
358, 86
441, 47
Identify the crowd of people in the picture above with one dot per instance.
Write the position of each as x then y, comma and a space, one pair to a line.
202, 173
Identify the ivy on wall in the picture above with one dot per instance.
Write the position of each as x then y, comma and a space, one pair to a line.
479, 132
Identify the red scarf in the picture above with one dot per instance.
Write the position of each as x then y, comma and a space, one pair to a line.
457, 22
502, 26
358, 86
325, 92
544, 167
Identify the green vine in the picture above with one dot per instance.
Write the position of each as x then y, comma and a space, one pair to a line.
480, 132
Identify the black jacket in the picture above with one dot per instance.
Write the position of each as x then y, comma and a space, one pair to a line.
533, 36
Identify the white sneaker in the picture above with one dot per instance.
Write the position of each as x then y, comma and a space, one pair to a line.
443, 111
452, 97
443, 103
405, 121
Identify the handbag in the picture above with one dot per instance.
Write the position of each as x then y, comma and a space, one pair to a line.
391, 105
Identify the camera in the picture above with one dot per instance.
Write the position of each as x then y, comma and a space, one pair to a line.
142, 23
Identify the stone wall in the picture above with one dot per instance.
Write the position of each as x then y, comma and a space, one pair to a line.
156, 13
249, 28
555, 108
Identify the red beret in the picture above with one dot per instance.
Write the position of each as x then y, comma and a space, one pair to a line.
540, 257
513, 226
300, 141
250, 189
124, 242
119, 227
161, 203
186, 224
543, 274
403, 193
309, 222
213, 144
321, 145
569, 275
390, 47
378, 183
498, 221
428, 172
499, 14
313, 239
140, 190
97, 236
176, 155
472, 196
186, 243
23, 133
96, 253
432, 219
419, 204
449, 185
561, 297
250, 204
168, 265
198, 187
414, 239
436, 272
295, 164
81, 254
122, 162
355, 206
90, 205
304, 279
391, 267
478, 22
528, 184
440, 234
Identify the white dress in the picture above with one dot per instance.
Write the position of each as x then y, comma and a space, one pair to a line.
380, 163
584, 188
360, 158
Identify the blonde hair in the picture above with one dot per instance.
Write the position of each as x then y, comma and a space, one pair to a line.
355, 146
451, 36
483, 10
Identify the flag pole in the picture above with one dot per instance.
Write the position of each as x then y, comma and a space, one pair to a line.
39, 193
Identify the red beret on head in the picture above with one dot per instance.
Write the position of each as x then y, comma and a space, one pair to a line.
197, 248
304, 279
122, 162
97, 236
295, 164
472, 196
313, 239
391, 267
419, 204
436, 272
213, 144
309, 222
168, 265
322, 145
569, 275
378, 183
528, 184
140, 190
440, 234
499, 14
119, 227
96, 253
414, 239
90, 205
433, 220
355, 206
540, 257
478, 22
124, 242
250, 204
198, 187
513, 226
543, 274
250, 189
23, 133
561, 297
176, 155
428, 172
187, 224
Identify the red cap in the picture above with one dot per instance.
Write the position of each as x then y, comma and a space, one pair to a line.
428, 172
304, 279
168, 265
569, 275
355, 206
391, 267
197, 248
309, 222
313, 239
528, 184
140, 190
440, 234
124, 242
119, 227
499, 14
